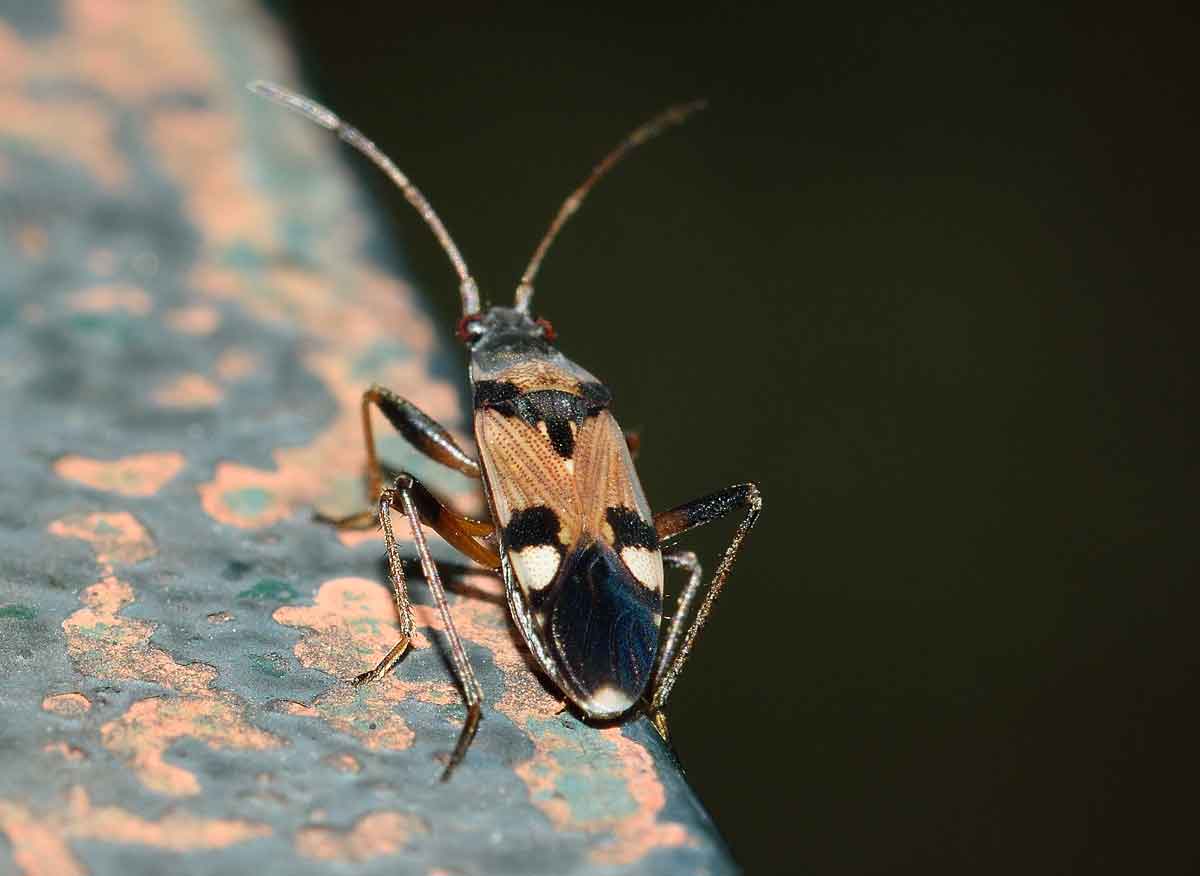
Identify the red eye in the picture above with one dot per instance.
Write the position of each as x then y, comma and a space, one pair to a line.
469, 329
547, 330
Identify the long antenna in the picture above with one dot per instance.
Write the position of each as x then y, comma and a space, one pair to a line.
672, 116
327, 119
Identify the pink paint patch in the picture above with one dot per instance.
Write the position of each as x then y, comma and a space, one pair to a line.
198, 320
117, 537
236, 364
188, 391
113, 297
68, 705
32, 241
39, 840
342, 762
65, 750
640, 833
367, 714
372, 836
142, 474
144, 733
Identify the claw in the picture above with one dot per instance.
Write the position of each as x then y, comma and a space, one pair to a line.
385, 665
659, 720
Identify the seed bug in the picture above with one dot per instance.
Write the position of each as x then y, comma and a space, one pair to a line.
570, 531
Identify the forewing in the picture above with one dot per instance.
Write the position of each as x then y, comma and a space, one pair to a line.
580, 539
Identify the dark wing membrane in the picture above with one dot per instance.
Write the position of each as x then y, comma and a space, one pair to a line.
603, 630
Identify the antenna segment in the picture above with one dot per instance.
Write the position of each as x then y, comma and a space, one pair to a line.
327, 119
670, 117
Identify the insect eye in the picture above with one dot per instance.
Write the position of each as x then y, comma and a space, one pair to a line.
548, 331
470, 328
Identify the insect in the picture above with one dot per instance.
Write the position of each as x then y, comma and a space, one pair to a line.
581, 556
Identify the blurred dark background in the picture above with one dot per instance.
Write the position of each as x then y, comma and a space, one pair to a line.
929, 277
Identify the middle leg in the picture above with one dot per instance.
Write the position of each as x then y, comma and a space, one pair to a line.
420, 507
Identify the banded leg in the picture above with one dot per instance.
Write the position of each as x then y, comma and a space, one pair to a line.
419, 429
419, 506
670, 525
690, 563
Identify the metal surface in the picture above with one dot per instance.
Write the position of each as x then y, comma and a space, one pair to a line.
191, 303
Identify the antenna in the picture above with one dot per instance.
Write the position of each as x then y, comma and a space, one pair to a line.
672, 116
327, 119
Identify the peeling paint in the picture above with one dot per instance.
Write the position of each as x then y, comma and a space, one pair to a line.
342, 762
237, 364
65, 750
144, 733
188, 391
372, 836
106, 299
68, 705
142, 474
197, 320
39, 840
116, 536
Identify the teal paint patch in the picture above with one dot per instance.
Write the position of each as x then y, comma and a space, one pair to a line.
589, 777
269, 664
105, 326
242, 255
270, 590
18, 612
248, 502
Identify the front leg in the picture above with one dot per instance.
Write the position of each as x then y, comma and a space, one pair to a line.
419, 429
670, 525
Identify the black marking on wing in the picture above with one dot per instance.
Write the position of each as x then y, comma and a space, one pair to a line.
533, 527
493, 393
596, 393
554, 407
602, 623
629, 529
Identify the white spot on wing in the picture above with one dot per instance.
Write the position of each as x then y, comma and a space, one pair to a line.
646, 565
607, 702
535, 566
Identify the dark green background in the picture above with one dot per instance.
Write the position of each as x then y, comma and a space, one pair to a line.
929, 277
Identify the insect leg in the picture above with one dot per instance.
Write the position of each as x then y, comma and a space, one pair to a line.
461, 531
687, 561
420, 506
670, 525
419, 429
